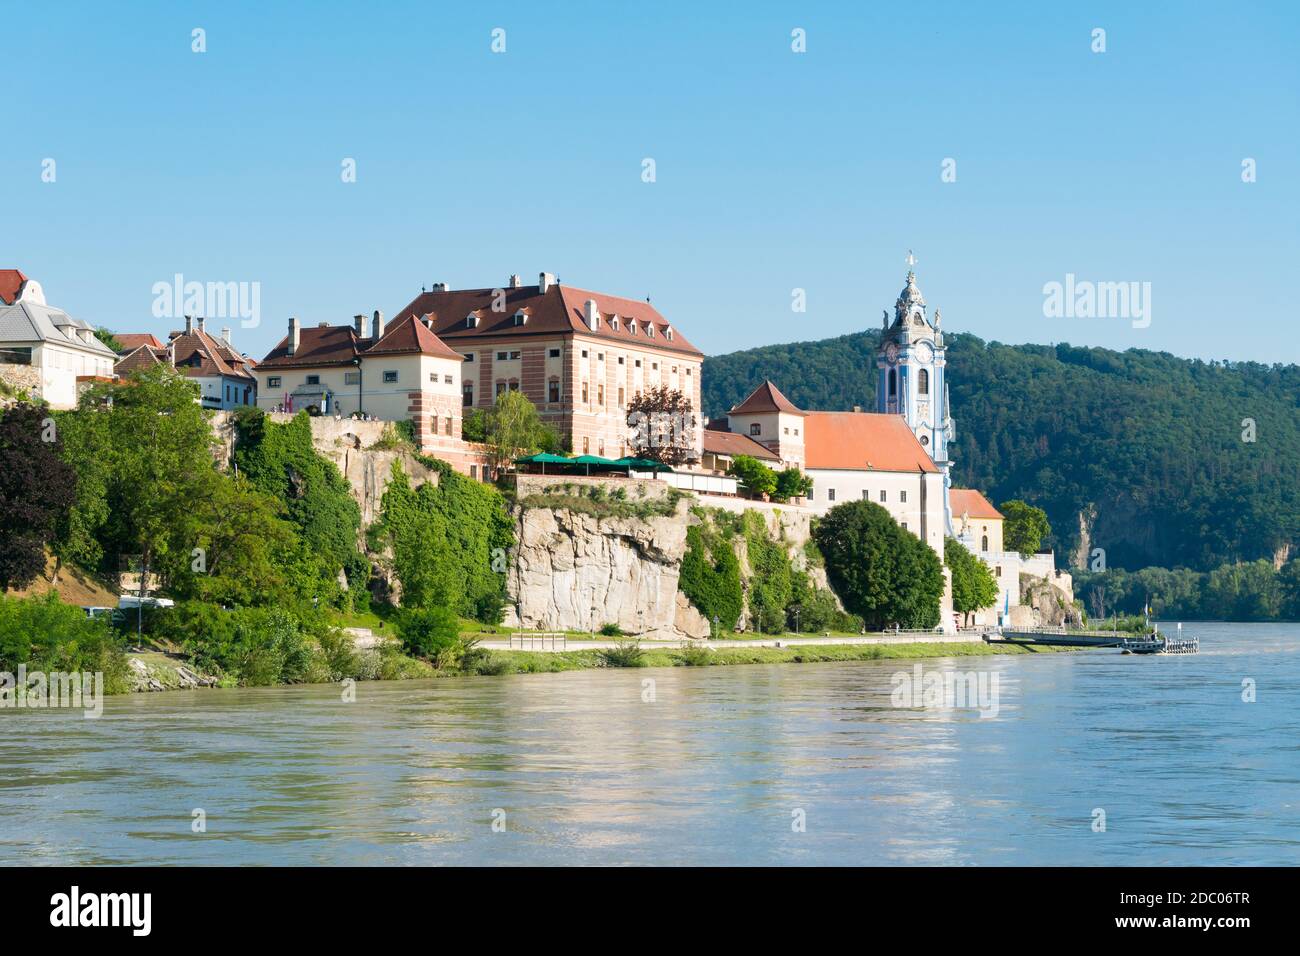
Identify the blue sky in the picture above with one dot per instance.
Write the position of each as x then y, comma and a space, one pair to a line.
774, 170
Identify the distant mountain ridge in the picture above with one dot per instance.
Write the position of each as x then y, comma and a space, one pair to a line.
1143, 454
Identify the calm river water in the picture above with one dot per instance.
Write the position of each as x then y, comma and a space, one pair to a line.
718, 769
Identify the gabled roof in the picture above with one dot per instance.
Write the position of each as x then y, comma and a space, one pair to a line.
559, 310
11, 283
139, 358
412, 335
731, 444
28, 321
766, 398
863, 441
133, 340
199, 354
968, 501
321, 346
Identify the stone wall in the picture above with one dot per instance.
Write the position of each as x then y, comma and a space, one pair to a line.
22, 378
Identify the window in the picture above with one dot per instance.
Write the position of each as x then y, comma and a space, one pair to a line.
600, 356
904, 524
273, 382
866, 495
638, 363
433, 377
501, 356
473, 472
467, 394
469, 357
553, 390
390, 377
830, 494
613, 323
620, 398
554, 353
600, 447
521, 317
313, 380
446, 425
600, 395
902, 496
984, 543
654, 366
586, 446
998, 570
620, 360
893, 382
649, 330
796, 431
668, 333
446, 380
923, 381
688, 373
23, 356
514, 385
584, 392
584, 353
756, 429
514, 355
351, 378
501, 388
787, 429
882, 495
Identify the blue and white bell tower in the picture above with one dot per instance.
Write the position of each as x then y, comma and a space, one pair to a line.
910, 380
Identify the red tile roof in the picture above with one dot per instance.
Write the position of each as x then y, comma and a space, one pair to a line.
139, 358
202, 355
561, 309
133, 340
968, 501
766, 398
731, 444
321, 346
412, 335
862, 441
11, 283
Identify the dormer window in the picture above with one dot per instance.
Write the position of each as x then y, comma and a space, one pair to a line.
471, 321
649, 330
521, 317
613, 323
631, 326
668, 332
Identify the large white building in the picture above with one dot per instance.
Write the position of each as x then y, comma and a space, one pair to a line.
43, 350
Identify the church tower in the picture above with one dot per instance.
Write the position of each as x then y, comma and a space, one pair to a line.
910, 379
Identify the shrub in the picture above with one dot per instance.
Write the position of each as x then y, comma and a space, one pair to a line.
624, 654
428, 632
710, 576
48, 635
694, 655
611, 630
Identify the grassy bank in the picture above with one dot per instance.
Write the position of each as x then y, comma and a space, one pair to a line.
540, 662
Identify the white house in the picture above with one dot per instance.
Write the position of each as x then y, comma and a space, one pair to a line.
224, 376
43, 350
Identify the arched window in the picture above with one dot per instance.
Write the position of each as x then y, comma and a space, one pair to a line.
984, 543
923, 382
893, 382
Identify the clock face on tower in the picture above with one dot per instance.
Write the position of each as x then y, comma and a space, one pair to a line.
924, 353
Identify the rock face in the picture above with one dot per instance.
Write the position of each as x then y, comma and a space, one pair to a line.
1051, 606
582, 563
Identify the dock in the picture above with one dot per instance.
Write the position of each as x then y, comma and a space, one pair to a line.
1151, 643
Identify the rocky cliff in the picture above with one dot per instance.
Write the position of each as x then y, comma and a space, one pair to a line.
593, 551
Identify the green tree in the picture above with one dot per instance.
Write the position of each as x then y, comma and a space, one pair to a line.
108, 338
710, 576
428, 631
882, 573
37, 491
756, 478
513, 429
792, 483
973, 584
1025, 527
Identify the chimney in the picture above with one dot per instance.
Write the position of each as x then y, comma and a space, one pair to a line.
440, 287
225, 335
295, 335
203, 324
515, 281
544, 281
189, 324
857, 408
592, 313
359, 326
379, 325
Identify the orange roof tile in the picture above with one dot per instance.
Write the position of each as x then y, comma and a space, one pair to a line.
862, 441
968, 501
766, 398
412, 335
11, 283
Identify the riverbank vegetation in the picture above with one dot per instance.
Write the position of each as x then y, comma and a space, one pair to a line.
1240, 591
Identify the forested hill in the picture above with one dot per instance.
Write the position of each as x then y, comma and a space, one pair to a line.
1149, 443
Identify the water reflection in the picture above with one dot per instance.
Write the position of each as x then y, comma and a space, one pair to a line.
711, 772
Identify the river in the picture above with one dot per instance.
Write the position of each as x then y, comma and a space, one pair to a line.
781, 764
